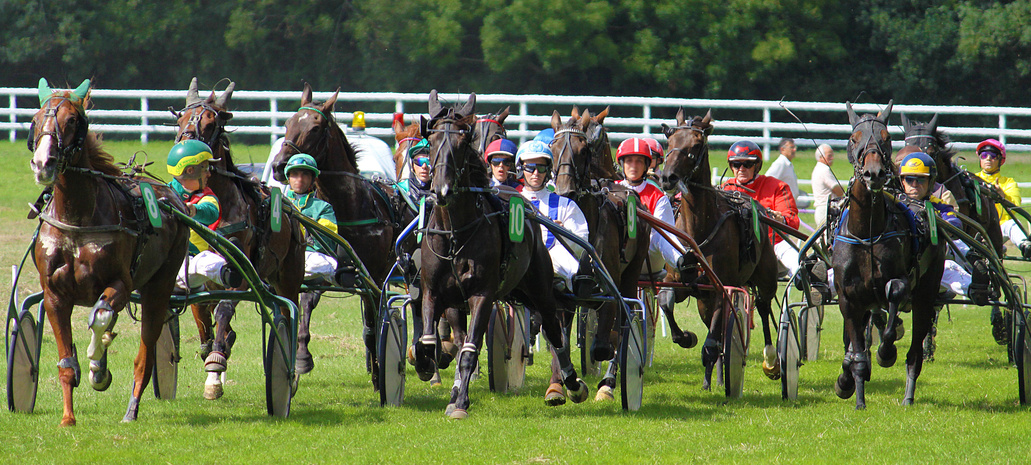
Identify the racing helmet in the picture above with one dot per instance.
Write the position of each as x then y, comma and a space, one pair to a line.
746, 150
533, 149
992, 143
186, 154
301, 161
918, 164
634, 146
418, 147
500, 147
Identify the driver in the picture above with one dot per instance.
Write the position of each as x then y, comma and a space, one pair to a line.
301, 171
993, 155
746, 160
189, 163
500, 155
534, 158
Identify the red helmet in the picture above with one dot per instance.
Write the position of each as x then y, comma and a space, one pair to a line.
634, 146
992, 143
655, 146
746, 150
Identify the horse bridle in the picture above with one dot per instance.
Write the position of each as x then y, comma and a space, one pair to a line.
481, 127
693, 157
878, 146
195, 122
323, 139
449, 119
64, 152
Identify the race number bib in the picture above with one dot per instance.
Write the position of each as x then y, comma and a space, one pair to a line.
276, 213
151, 202
516, 219
631, 216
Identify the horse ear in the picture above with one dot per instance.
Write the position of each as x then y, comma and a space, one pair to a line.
211, 98
328, 106
83, 90
306, 94
932, 125
886, 113
44, 91
399, 126
191, 95
225, 115
434, 105
423, 126
223, 100
852, 117
906, 124
667, 131
575, 114
600, 117
585, 119
556, 120
470, 105
680, 117
504, 114
707, 122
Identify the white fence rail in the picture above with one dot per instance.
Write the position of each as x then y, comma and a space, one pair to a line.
149, 116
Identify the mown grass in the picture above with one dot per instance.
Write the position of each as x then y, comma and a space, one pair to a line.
966, 407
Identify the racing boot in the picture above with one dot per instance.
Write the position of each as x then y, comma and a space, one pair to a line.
229, 277
980, 289
1000, 326
1025, 249
819, 289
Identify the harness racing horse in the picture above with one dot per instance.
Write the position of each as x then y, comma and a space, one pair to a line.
404, 137
244, 203
489, 128
972, 202
96, 246
739, 255
365, 217
468, 261
878, 264
584, 172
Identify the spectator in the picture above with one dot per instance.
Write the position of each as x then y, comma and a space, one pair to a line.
782, 169
825, 185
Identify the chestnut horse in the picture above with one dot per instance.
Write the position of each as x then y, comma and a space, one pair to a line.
364, 209
738, 255
468, 262
404, 137
277, 256
96, 246
928, 139
877, 263
584, 172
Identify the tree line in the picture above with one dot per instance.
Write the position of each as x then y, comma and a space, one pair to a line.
915, 51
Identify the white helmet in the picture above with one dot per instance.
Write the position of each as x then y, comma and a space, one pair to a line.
533, 149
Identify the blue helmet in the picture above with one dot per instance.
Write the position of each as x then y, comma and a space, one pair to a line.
545, 136
918, 164
534, 149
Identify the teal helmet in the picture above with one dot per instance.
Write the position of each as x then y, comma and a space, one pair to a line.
419, 147
186, 154
301, 161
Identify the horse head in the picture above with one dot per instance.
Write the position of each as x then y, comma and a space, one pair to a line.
205, 120
58, 130
926, 138
577, 147
404, 137
453, 159
687, 158
869, 147
489, 128
311, 130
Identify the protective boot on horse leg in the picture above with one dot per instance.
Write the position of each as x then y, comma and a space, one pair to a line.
217, 361
305, 361
101, 321
896, 292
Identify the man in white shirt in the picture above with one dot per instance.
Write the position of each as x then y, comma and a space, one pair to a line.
534, 158
782, 169
825, 184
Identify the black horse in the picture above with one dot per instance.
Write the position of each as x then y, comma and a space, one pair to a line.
878, 263
468, 261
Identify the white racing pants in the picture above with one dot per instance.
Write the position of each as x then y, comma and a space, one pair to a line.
203, 267
319, 266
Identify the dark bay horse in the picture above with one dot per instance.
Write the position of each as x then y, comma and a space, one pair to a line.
277, 256
928, 139
468, 262
489, 128
96, 246
738, 255
877, 263
583, 171
364, 212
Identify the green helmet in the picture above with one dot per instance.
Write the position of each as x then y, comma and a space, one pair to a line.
419, 147
188, 153
301, 161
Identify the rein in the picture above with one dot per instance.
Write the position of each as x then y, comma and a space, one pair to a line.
65, 152
195, 121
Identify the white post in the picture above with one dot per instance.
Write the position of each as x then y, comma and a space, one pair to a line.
522, 124
14, 106
273, 108
766, 134
647, 114
399, 106
1002, 126
143, 120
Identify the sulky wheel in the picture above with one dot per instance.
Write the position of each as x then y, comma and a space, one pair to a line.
498, 350
23, 365
632, 353
1022, 357
733, 354
391, 348
809, 329
652, 319
166, 367
788, 351
586, 332
278, 367
519, 352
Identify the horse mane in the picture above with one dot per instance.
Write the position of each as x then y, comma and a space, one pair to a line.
602, 164
336, 132
99, 159
478, 173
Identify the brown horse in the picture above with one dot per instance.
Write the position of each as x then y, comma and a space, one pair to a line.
584, 172
928, 139
877, 263
364, 212
738, 256
277, 256
404, 137
489, 128
468, 263
94, 247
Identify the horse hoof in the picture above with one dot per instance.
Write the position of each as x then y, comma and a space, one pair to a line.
411, 355
860, 406
604, 394
424, 375
772, 372
67, 422
554, 396
603, 352
580, 394
213, 392
887, 355
459, 414
450, 409
687, 340
445, 360
304, 365
844, 387
100, 380
216, 362
907, 401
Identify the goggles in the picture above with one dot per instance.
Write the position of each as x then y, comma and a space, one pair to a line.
742, 164
988, 155
539, 167
915, 180
421, 161
498, 161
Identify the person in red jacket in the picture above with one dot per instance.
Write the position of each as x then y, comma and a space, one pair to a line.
746, 160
